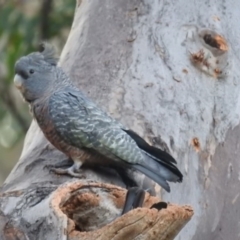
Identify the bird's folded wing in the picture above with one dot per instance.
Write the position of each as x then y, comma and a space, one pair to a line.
80, 123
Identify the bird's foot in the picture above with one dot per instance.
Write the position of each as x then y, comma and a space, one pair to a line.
73, 171
69, 171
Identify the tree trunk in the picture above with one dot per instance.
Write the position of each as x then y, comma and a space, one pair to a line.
166, 70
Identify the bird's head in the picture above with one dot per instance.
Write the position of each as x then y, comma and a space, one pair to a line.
35, 73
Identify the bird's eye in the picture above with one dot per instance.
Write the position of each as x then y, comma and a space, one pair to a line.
31, 71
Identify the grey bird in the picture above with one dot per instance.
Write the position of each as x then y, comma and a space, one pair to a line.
80, 129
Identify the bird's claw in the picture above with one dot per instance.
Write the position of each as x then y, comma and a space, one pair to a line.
69, 171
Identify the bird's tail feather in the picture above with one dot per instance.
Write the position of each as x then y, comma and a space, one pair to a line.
168, 170
152, 175
159, 171
158, 165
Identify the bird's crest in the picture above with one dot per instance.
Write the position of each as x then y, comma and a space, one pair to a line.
49, 53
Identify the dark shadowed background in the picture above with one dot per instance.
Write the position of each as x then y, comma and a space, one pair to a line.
23, 25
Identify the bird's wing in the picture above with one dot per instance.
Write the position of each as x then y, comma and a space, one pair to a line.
82, 124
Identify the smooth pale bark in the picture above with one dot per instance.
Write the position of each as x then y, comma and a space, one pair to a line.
134, 58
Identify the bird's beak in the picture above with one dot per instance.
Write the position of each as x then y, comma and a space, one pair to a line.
18, 81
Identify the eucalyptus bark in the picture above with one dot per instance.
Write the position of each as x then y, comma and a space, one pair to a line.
151, 66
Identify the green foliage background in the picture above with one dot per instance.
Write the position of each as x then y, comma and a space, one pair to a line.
23, 25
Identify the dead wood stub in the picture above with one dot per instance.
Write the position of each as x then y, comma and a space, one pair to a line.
93, 211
